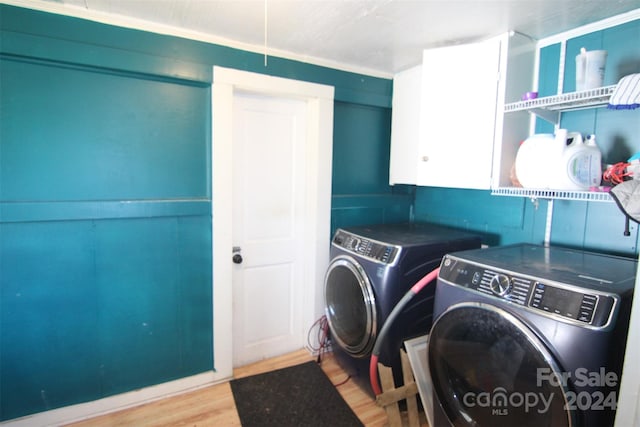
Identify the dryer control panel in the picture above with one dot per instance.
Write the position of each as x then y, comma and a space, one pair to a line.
377, 251
559, 300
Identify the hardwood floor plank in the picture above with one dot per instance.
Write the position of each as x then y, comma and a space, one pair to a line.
214, 405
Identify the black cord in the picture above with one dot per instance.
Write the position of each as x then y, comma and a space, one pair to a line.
322, 337
343, 382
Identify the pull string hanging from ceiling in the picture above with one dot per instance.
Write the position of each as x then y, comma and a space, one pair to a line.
265, 32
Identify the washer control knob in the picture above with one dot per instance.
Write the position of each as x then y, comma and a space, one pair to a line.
500, 284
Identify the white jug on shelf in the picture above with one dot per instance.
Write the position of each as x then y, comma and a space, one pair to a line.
590, 69
561, 162
580, 166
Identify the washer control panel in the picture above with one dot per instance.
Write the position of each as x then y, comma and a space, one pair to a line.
571, 303
501, 284
377, 251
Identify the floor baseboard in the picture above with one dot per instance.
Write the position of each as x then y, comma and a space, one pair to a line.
83, 411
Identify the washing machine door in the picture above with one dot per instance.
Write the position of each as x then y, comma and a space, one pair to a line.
350, 306
489, 369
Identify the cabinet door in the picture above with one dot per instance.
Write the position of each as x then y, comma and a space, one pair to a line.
459, 98
405, 125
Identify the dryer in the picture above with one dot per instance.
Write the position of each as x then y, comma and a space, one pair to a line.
371, 269
527, 335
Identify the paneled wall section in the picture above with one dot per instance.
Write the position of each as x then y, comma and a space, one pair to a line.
105, 201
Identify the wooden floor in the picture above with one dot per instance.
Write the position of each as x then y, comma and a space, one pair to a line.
214, 405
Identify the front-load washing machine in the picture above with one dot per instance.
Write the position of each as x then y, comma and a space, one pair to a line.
371, 269
527, 335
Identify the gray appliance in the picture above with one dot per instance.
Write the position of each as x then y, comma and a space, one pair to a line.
371, 269
527, 335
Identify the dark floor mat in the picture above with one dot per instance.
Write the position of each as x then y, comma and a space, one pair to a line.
300, 395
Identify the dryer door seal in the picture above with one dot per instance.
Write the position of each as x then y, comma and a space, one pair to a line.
489, 369
350, 306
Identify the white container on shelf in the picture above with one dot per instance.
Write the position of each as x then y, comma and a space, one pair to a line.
590, 69
580, 166
562, 161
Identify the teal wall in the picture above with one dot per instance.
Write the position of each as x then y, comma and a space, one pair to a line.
360, 183
104, 234
105, 201
589, 225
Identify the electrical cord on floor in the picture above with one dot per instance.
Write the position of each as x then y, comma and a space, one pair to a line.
343, 381
373, 364
322, 324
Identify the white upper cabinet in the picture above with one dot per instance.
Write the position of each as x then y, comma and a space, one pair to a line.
448, 112
459, 92
405, 121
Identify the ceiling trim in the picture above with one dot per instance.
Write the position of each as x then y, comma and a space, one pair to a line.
140, 24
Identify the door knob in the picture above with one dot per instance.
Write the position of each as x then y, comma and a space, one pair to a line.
237, 258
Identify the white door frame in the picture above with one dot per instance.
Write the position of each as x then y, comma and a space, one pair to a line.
317, 213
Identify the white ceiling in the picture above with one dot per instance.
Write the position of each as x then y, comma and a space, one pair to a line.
378, 37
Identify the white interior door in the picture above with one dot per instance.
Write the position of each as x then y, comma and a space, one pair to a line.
269, 151
228, 84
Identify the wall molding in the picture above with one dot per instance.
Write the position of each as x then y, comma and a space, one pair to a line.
80, 56
83, 411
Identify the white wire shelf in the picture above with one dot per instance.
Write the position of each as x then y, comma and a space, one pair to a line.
532, 193
549, 107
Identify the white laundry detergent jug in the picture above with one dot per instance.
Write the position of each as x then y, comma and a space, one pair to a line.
561, 162
537, 160
580, 166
